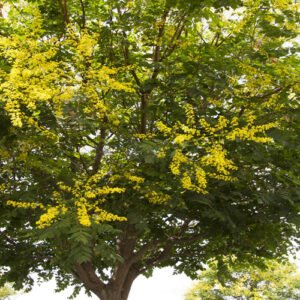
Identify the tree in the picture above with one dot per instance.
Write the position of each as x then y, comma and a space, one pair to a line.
276, 281
140, 134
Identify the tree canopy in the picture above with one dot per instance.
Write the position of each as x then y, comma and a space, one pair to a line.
139, 134
275, 282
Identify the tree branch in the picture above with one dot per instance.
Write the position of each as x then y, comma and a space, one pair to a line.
147, 247
99, 151
172, 46
85, 272
144, 107
268, 94
126, 54
157, 48
83, 18
64, 10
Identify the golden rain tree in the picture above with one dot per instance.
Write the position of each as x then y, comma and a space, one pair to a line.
275, 281
141, 134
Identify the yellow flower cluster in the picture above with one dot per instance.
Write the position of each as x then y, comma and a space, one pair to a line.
90, 195
161, 153
105, 190
37, 77
181, 138
163, 128
234, 122
31, 205
216, 157
189, 111
201, 177
220, 176
142, 136
186, 181
249, 133
94, 178
282, 4
222, 123
64, 187
102, 215
3, 187
210, 139
85, 190
157, 197
86, 45
13, 109
82, 213
81, 193
206, 126
178, 159
47, 218
133, 178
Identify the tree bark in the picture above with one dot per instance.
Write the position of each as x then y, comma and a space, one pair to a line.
116, 289
119, 285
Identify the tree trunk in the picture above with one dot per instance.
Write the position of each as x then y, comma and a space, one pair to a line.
119, 285
117, 289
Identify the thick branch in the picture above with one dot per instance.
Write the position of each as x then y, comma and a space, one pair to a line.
131, 276
64, 10
144, 107
87, 275
99, 151
124, 273
125, 247
83, 18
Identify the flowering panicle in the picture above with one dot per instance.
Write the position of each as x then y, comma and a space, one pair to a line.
210, 158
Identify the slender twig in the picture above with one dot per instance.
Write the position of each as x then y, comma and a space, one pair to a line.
201, 37
127, 56
268, 94
85, 167
177, 34
83, 17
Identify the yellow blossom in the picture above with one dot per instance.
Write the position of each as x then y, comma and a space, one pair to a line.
163, 128
157, 197
133, 178
181, 138
178, 159
47, 218
31, 205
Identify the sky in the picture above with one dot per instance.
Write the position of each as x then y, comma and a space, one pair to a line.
163, 285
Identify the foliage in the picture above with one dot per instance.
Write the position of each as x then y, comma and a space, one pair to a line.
140, 134
276, 281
